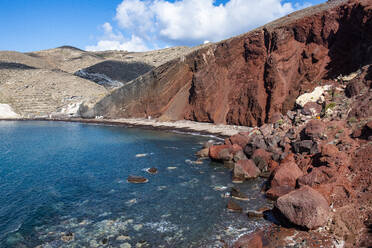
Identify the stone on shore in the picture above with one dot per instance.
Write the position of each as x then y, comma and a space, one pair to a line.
304, 207
203, 153
223, 152
286, 174
314, 129
251, 240
246, 169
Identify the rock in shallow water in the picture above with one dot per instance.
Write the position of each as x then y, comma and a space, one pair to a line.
152, 170
236, 194
246, 169
137, 179
234, 207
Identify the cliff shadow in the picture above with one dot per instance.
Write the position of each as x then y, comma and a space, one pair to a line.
16, 66
350, 47
120, 71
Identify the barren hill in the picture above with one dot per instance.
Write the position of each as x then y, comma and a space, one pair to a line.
61, 82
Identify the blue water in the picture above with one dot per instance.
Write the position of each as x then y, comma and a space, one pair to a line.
60, 178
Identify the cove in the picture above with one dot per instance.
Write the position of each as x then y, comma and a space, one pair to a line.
64, 185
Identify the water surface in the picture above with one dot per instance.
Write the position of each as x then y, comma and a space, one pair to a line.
59, 179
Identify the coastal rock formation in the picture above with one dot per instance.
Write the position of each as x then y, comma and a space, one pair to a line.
320, 167
249, 79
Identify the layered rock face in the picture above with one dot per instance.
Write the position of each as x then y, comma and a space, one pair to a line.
246, 80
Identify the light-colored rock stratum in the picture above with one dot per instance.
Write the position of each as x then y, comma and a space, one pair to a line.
62, 82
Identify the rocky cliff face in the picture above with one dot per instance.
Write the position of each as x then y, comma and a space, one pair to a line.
247, 79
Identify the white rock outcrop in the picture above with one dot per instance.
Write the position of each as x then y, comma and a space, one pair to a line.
315, 96
6, 112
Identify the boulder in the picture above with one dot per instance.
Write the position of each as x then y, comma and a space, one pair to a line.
261, 158
240, 155
311, 109
314, 178
286, 174
304, 207
241, 139
246, 169
277, 191
266, 129
203, 153
331, 156
251, 240
314, 129
223, 152
305, 146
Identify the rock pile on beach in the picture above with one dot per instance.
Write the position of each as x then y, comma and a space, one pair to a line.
317, 159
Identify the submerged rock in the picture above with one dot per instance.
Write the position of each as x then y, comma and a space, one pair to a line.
137, 179
233, 206
237, 194
69, 236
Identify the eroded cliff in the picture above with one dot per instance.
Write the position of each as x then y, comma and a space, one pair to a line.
245, 80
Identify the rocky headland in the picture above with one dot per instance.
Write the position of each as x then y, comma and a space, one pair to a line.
298, 90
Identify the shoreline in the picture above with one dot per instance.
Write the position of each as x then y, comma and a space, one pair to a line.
188, 127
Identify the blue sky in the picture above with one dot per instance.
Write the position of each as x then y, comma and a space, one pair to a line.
29, 25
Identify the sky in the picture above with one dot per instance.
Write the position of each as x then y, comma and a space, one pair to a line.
132, 25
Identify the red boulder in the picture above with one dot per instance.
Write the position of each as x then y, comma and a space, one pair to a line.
304, 207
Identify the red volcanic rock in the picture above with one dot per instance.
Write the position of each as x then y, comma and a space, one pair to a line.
247, 79
272, 165
304, 207
314, 129
261, 158
252, 240
241, 139
277, 191
330, 156
286, 174
265, 155
312, 109
246, 169
314, 178
223, 152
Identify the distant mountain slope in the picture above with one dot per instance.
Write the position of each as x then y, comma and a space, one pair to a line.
61, 81
247, 79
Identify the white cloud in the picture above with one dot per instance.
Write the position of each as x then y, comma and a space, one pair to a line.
159, 23
116, 41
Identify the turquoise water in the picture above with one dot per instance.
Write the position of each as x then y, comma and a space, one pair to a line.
59, 179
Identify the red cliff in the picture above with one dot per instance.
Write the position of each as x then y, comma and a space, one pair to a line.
245, 80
